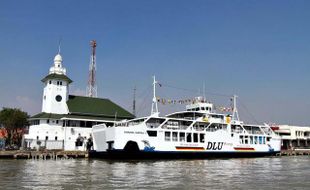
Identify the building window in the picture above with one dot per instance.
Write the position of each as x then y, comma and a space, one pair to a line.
57, 121
60, 82
56, 138
46, 138
50, 82
37, 137
58, 98
48, 121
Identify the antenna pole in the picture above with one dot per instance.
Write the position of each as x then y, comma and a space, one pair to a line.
235, 115
92, 88
154, 103
134, 101
59, 46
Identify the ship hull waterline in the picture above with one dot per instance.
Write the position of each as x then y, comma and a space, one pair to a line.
144, 155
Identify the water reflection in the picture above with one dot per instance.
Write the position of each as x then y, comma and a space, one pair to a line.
260, 173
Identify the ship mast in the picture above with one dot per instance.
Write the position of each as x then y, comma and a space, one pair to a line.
235, 115
154, 110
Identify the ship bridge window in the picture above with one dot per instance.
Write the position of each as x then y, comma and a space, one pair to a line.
251, 139
200, 126
241, 139
255, 139
236, 129
174, 136
134, 122
176, 124
216, 126
167, 136
154, 122
246, 140
202, 137
188, 137
253, 129
182, 136
195, 137
152, 133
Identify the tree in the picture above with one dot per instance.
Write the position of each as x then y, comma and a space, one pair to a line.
13, 120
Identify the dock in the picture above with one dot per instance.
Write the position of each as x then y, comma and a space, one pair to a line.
43, 155
296, 152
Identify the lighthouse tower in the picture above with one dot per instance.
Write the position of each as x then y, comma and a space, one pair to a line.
56, 88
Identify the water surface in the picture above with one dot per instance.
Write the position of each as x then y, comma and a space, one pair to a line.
253, 173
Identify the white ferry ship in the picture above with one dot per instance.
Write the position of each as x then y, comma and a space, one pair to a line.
198, 132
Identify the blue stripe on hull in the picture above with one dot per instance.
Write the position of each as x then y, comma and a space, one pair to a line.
121, 154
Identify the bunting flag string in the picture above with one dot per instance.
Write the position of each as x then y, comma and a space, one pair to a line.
165, 101
224, 109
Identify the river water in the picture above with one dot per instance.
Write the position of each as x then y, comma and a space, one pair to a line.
252, 173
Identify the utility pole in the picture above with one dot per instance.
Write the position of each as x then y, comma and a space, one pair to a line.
134, 101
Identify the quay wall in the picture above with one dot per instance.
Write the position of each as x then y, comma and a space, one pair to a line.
54, 155
22, 154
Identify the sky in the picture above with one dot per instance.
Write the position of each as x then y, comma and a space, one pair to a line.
258, 50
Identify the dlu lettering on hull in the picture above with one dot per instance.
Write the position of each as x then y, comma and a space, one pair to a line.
215, 146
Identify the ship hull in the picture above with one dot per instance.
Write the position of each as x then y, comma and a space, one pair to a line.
145, 155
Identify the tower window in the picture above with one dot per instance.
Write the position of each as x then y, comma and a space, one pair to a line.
58, 98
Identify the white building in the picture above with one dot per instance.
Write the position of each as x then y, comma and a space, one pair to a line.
66, 117
294, 137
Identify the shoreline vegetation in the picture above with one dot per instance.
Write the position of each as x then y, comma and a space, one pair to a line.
13, 125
